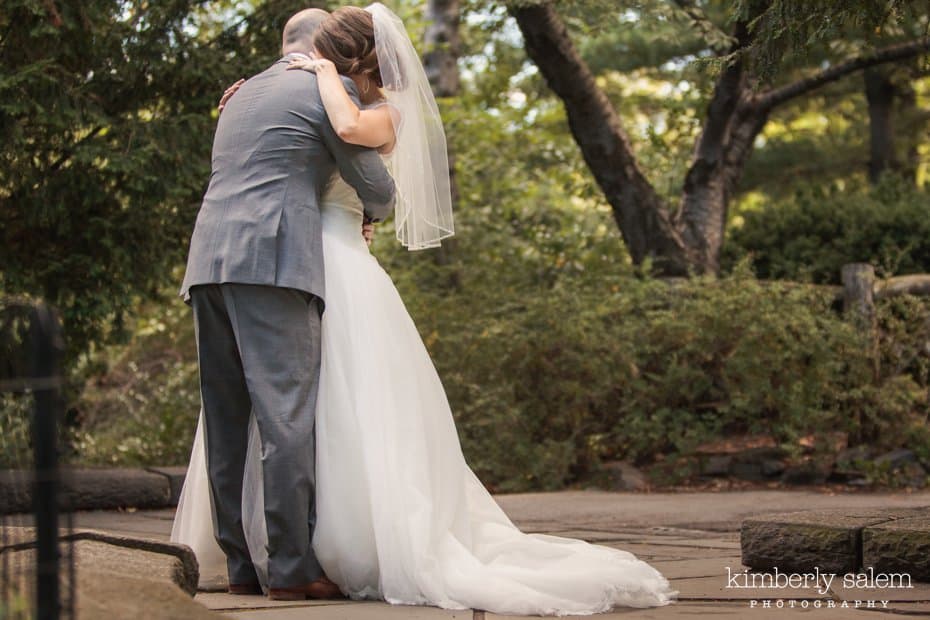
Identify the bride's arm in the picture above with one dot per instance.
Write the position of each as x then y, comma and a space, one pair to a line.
373, 127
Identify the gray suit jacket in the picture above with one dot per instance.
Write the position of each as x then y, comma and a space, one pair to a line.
273, 153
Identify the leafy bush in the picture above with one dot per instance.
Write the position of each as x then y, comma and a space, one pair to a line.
547, 381
140, 402
638, 368
15, 414
813, 234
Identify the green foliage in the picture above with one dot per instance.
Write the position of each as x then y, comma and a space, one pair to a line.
637, 368
812, 234
141, 400
556, 353
793, 28
106, 118
15, 414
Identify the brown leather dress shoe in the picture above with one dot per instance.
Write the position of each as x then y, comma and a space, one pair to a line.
322, 588
245, 588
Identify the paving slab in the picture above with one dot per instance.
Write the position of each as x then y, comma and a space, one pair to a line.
913, 609
690, 537
148, 524
109, 596
701, 567
716, 588
895, 590
671, 551
223, 601
677, 610
740, 610
695, 510
353, 611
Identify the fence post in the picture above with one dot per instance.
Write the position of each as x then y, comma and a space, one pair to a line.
859, 304
47, 340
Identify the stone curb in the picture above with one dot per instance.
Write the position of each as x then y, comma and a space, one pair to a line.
98, 489
185, 573
839, 541
117, 576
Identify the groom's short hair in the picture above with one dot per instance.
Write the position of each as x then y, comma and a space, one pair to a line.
299, 30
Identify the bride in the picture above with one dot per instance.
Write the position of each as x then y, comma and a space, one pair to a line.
400, 516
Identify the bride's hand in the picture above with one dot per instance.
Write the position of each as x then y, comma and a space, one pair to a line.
228, 93
313, 65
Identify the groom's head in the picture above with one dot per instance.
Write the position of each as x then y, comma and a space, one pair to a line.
299, 31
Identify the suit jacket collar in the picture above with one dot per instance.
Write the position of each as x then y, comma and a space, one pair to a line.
291, 56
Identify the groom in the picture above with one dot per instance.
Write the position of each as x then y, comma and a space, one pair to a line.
255, 281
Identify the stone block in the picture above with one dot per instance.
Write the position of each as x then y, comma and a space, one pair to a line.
802, 541
899, 546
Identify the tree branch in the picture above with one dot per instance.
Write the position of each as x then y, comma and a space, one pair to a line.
67, 155
719, 41
702, 216
892, 53
730, 87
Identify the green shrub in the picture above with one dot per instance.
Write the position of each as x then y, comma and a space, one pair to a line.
547, 382
15, 414
140, 402
638, 368
813, 234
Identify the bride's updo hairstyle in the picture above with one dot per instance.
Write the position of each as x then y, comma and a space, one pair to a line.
347, 38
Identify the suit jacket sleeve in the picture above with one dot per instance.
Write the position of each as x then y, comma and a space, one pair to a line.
361, 167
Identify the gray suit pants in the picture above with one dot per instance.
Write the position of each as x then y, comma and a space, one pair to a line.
259, 351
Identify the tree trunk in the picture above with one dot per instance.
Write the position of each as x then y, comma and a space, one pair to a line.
912, 127
719, 156
443, 47
691, 241
880, 94
643, 220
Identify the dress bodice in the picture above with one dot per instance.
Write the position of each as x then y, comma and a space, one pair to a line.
342, 211
340, 195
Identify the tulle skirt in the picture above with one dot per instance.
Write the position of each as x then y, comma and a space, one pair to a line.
400, 516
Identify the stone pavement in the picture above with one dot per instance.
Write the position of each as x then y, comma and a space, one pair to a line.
693, 538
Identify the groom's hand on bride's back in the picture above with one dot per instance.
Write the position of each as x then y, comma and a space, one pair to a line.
228, 93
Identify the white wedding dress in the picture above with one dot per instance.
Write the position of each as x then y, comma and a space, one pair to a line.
400, 516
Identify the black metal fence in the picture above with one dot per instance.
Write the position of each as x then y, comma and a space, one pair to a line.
37, 573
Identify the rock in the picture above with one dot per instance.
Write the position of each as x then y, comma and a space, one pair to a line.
896, 458
734, 445
808, 472
850, 456
913, 475
624, 476
747, 471
716, 465
772, 467
757, 463
803, 541
899, 546
759, 455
